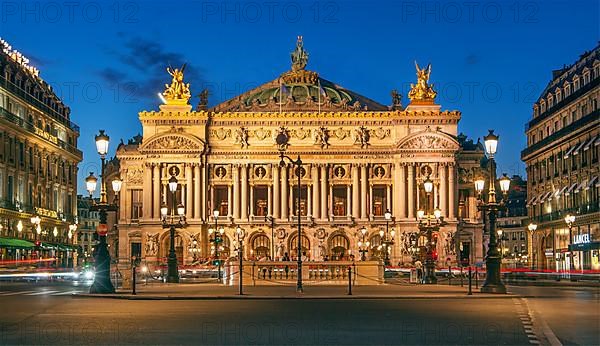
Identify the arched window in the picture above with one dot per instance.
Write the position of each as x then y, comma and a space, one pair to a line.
261, 246
376, 250
304, 244
338, 247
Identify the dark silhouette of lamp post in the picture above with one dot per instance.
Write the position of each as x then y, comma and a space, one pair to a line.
271, 220
175, 218
387, 237
281, 140
102, 283
493, 281
429, 223
216, 237
363, 244
531, 227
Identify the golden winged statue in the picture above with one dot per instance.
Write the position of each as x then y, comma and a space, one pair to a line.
422, 92
178, 92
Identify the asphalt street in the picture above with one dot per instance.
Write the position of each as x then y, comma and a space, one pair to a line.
45, 313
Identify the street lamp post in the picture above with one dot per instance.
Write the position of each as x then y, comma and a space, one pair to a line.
240, 239
281, 145
387, 238
531, 227
428, 224
217, 239
172, 221
569, 220
271, 219
363, 244
102, 283
493, 281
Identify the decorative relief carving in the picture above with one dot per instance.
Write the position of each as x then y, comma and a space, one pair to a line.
220, 133
361, 136
340, 133
428, 142
241, 137
151, 244
135, 176
172, 142
381, 133
321, 137
300, 133
261, 133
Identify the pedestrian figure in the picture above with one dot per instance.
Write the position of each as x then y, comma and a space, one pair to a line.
419, 267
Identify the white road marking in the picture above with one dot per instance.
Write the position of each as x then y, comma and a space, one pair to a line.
14, 293
64, 293
41, 293
545, 328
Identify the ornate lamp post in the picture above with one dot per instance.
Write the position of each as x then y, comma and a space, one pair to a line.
216, 237
493, 282
102, 283
172, 220
35, 222
363, 245
429, 224
531, 227
387, 237
281, 146
240, 242
271, 220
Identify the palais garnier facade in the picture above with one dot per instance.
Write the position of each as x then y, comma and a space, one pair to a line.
360, 159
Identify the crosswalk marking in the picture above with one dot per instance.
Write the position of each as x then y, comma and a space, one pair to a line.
41, 293
14, 293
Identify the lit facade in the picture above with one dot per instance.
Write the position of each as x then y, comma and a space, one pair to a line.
360, 158
562, 168
38, 164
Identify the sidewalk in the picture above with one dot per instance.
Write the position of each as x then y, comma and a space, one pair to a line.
215, 291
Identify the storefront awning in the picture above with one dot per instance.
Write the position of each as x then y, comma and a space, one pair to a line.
561, 190
13, 243
531, 200
545, 196
590, 142
591, 183
570, 189
578, 147
569, 151
581, 186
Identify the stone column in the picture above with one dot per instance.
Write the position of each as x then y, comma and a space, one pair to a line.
324, 213
123, 206
276, 203
402, 189
205, 168
189, 191
355, 192
236, 191
284, 193
411, 191
348, 206
146, 195
309, 200
370, 201
157, 179
269, 200
388, 197
229, 201
451, 191
244, 183
251, 202
443, 190
316, 194
436, 196
197, 192
363, 191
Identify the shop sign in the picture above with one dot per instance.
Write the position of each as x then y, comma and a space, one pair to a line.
549, 252
581, 238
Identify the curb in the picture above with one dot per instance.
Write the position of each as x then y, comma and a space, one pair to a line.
251, 297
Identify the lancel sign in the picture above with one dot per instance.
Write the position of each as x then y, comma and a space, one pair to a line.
581, 238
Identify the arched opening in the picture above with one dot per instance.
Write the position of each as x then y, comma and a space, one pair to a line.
338, 247
224, 248
376, 251
166, 245
261, 246
304, 245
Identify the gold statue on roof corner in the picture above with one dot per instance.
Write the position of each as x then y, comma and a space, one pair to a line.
422, 92
178, 93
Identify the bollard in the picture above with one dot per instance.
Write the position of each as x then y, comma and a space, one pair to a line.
449, 276
470, 282
476, 278
461, 276
349, 280
133, 278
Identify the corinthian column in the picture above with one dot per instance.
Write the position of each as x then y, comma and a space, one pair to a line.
244, 183
276, 204
189, 194
355, 192
324, 214
363, 191
197, 192
402, 188
284, 193
316, 195
443, 190
411, 191
236, 191
157, 182
451, 190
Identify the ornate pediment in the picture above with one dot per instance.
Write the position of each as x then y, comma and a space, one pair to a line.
429, 140
173, 143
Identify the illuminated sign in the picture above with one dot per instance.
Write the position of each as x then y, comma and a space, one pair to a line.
581, 238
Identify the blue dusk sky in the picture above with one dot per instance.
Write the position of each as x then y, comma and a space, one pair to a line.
490, 59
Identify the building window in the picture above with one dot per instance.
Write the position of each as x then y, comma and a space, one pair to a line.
260, 200
339, 246
136, 204
379, 200
261, 246
303, 200
340, 198
221, 199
